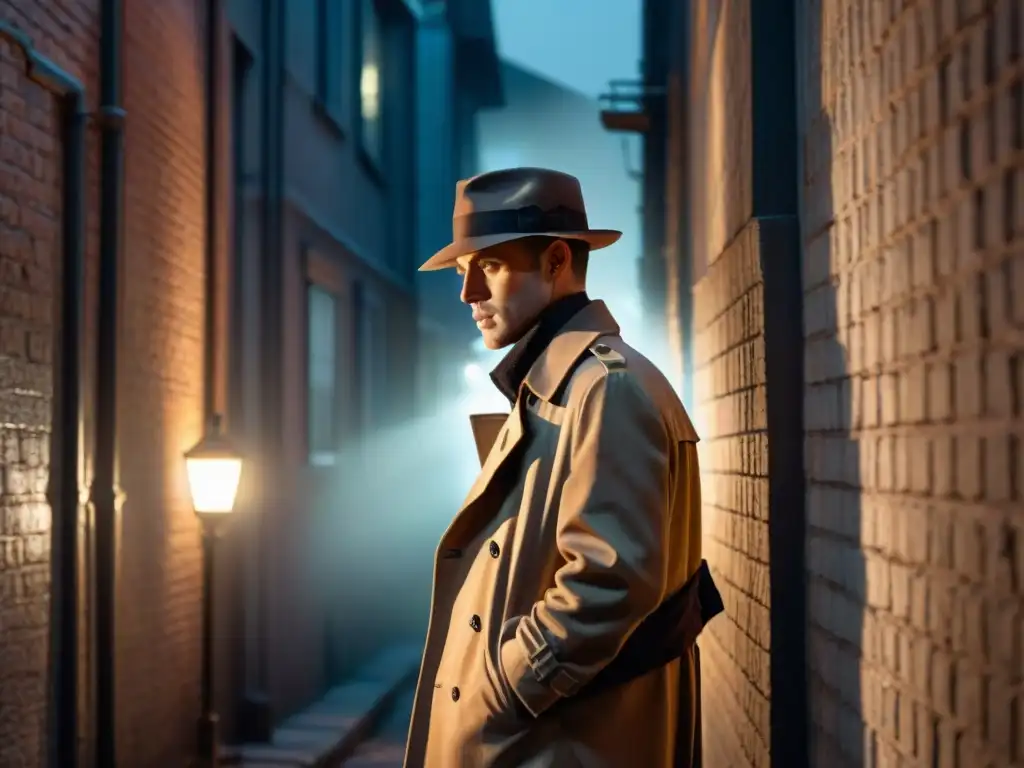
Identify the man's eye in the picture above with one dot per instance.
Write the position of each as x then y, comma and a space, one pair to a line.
489, 266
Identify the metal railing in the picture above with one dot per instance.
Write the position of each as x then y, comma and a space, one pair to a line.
625, 106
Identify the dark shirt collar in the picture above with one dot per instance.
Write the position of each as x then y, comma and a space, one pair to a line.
508, 375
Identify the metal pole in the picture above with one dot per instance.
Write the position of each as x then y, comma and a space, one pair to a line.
257, 716
207, 730
68, 418
63, 492
105, 493
208, 740
213, 62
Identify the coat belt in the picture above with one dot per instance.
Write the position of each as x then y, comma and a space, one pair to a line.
664, 636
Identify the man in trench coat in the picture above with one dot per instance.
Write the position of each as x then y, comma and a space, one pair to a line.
584, 519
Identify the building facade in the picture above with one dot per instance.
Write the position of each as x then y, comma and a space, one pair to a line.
459, 79
844, 214
325, 323
204, 208
103, 238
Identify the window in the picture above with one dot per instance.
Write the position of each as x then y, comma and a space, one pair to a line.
322, 341
371, 353
330, 59
323, 42
371, 96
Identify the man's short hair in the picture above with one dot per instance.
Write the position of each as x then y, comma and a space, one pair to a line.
580, 250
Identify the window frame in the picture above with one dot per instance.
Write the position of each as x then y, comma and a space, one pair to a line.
333, 24
371, 350
374, 159
318, 276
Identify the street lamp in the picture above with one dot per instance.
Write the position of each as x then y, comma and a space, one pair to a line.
214, 468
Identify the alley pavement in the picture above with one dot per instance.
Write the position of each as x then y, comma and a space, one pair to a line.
386, 747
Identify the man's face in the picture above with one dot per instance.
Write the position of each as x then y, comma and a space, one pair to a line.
506, 286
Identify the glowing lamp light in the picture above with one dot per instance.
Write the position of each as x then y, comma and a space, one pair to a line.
214, 468
473, 373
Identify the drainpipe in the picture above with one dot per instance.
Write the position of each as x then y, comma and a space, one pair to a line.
207, 727
211, 182
63, 492
256, 710
106, 496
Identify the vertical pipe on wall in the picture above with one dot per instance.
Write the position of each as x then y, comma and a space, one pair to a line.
67, 424
241, 64
207, 730
257, 711
106, 495
211, 200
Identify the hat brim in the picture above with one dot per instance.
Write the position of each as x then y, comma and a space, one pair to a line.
447, 256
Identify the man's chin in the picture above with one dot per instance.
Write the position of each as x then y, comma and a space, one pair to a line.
494, 339
494, 342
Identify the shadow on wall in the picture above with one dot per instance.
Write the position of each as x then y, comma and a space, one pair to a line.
839, 623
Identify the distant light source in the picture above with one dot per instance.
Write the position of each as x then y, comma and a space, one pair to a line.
473, 373
369, 91
214, 469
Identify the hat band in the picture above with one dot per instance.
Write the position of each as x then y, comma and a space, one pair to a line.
524, 221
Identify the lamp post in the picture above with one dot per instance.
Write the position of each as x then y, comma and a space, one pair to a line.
214, 468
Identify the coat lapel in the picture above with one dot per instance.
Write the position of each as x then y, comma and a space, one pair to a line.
543, 379
486, 428
507, 438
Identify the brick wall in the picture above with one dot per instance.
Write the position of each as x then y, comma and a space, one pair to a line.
30, 216
912, 219
160, 368
161, 381
729, 387
730, 392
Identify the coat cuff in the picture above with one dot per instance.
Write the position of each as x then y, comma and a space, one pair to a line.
535, 676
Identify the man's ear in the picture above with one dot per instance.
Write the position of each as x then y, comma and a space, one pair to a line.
556, 259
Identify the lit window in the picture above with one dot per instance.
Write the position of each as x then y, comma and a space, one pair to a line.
370, 77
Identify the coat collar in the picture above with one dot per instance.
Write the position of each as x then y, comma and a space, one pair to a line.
559, 358
509, 374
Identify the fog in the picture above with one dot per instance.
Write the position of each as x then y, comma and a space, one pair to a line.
392, 498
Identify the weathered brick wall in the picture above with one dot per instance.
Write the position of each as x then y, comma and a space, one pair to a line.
160, 368
912, 218
30, 215
730, 392
729, 387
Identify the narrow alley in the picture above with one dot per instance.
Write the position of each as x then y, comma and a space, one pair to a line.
234, 414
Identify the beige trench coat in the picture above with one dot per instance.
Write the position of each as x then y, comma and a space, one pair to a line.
585, 515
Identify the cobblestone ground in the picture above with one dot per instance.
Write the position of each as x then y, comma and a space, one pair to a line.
386, 748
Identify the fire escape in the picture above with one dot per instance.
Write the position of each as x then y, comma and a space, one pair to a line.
626, 108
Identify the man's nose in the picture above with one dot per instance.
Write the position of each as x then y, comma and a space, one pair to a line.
474, 287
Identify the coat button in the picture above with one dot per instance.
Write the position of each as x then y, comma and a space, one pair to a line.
475, 623
495, 551
455, 693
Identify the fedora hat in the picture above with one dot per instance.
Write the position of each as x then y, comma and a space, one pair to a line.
499, 206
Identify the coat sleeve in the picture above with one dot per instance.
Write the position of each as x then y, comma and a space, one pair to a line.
611, 535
